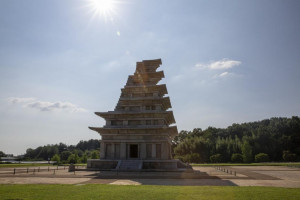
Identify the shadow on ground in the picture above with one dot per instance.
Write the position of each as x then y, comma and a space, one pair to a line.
158, 178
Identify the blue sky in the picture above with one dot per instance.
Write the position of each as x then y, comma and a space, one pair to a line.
224, 61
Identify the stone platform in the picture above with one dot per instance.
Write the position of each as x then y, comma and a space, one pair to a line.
137, 165
153, 175
271, 176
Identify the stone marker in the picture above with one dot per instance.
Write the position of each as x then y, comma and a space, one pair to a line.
71, 168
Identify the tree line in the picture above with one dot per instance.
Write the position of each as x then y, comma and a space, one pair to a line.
275, 139
62, 153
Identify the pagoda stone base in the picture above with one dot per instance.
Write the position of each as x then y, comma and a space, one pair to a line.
102, 164
137, 165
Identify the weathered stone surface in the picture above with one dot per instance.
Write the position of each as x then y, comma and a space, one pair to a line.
139, 127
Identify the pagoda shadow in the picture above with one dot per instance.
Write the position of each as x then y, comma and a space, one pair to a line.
159, 178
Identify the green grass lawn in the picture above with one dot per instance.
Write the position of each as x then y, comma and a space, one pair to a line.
292, 164
114, 192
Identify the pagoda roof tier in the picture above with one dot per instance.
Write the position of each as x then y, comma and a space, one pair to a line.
165, 101
162, 89
168, 131
145, 78
148, 65
129, 115
148, 75
155, 62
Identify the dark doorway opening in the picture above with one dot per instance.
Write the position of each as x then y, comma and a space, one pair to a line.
134, 151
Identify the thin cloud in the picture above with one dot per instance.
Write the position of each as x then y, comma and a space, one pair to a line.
224, 74
15, 100
45, 105
227, 74
225, 63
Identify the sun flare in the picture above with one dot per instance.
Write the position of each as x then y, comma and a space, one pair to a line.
103, 8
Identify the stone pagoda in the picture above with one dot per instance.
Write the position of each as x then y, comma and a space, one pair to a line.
137, 134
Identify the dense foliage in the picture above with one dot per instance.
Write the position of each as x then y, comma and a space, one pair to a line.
2, 154
277, 138
64, 153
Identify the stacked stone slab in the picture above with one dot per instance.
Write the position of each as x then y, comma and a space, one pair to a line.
139, 127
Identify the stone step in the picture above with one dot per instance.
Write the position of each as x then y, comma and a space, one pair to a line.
130, 165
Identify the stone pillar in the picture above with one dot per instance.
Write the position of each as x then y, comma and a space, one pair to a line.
158, 107
170, 152
102, 150
123, 151
153, 151
113, 150
143, 151
164, 151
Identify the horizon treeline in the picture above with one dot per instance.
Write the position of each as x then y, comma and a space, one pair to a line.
274, 139
62, 153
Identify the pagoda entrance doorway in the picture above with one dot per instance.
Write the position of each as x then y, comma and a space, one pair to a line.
133, 151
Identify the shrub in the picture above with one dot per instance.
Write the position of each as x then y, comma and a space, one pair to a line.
262, 157
190, 158
195, 158
288, 156
187, 158
237, 158
217, 158
179, 158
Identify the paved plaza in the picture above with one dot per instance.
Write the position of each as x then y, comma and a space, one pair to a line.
275, 176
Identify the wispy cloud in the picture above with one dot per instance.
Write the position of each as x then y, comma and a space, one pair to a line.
222, 75
227, 74
45, 105
15, 100
225, 63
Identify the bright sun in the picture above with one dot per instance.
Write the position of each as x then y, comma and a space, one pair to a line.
103, 8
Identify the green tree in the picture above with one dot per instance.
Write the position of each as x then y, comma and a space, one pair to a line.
95, 154
76, 157
72, 159
84, 158
65, 155
56, 158
247, 152
2, 154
